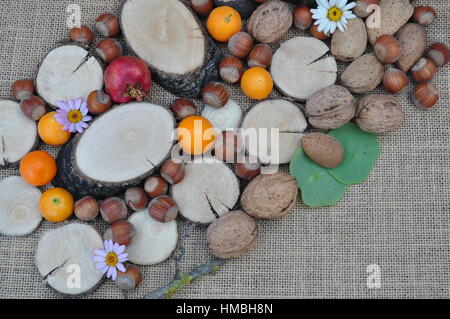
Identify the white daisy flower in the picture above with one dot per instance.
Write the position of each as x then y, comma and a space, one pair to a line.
332, 14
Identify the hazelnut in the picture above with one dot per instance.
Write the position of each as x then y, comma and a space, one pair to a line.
22, 89
163, 209
215, 94
261, 55
439, 53
395, 80
130, 279
109, 49
113, 209
182, 108
248, 168
303, 18
83, 35
240, 44
201, 7
227, 146
173, 172
86, 208
387, 49
156, 186
231, 69
33, 107
379, 114
424, 70
107, 24
122, 232
425, 95
314, 32
98, 102
362, 7
136, 198
424, 15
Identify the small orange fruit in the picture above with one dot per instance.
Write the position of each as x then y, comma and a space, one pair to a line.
196, 135
51, 132
257, 83
56, 205
38, 168
223, 22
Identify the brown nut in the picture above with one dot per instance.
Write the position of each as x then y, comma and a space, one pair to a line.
413, 40
240, 44
425, 95
351, 44
33, 107
232, 235
314, 32
202, 7
129, 280
122, 232
323, 149
107, 24
227, 146
156, 186
439, 53
113, 209
182, 108
248, 168
173, 171
86, 208
215, 94
231, 69
109, 49
163, 209
387, 49
379, 113
303, 18
363, 7
395, 80
330, 108
21, 89
98, 102
424, 70
136, 198
261, 55
424, 15
83, 35
363, 75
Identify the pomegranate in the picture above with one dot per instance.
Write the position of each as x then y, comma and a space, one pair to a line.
127, 78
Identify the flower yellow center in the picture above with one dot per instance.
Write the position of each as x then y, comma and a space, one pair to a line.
111, 259
75, 116
334, 14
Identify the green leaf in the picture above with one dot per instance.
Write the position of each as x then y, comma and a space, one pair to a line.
361, 152
318, 188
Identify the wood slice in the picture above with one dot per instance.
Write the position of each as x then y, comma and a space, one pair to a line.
68, 72
301, 67
167, 35
268, 114
18, 134
19, 207
63, 251
209, 189
154, 242
118, 150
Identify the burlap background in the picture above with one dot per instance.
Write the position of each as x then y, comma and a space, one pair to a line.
399, 219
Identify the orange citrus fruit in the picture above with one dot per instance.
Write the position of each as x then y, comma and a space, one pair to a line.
51, 132
38, 168
196, 135
223, 22
257, 83
56, 205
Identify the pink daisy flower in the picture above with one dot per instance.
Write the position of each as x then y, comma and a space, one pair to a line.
72, 115
110, 259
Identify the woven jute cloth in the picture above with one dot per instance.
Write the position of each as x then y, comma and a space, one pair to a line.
398, 221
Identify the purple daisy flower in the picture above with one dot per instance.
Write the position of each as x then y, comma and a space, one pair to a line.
110, 259
72, 115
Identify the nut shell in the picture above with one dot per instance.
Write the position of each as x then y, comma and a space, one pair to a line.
425, 95
163, 209
107, 24
362, 6
86, 208
113, 209
156, 186
83, 35
232, 235
240, 44
387, 49
33, 107
248, 168
261, 55
395, 80
130, 279
330, 108
413, 40
173, 172
303, 18
424, 70
323, 149
231, 69
379, 114
270, 196
363, 75
351, 44
98, 102
136, 198
109, 49
21, 89
215, 94
314, 32
439, 53
122, 232
182, 108
424, 15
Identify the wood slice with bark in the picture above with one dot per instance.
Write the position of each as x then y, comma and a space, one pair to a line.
120, 148
19, 207
18, 134
209, 190
167, 35
273, 114
63, 253
301, 67
68, 72
153, 242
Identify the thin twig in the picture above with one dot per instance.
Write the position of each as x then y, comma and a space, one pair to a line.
182, 250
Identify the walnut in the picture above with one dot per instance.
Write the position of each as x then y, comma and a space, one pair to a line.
379, 114
270, 196
330, 107
270, 21
232, 235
